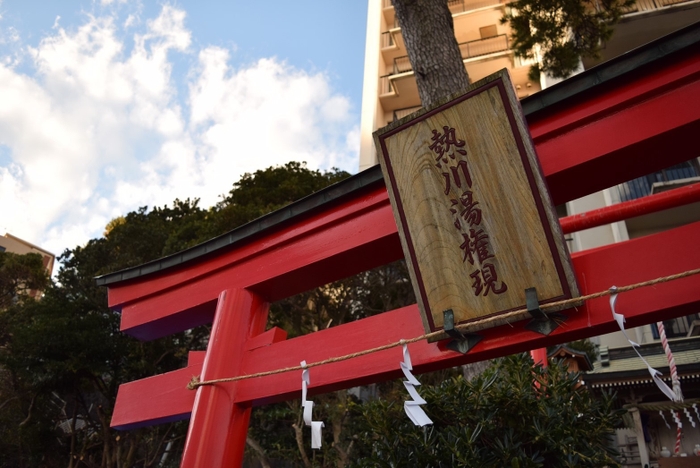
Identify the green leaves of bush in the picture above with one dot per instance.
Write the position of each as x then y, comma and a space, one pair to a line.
513, 415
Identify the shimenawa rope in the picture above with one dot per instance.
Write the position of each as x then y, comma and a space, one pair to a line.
195, 382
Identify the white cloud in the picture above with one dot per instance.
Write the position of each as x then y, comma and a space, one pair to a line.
99, 128
265, 114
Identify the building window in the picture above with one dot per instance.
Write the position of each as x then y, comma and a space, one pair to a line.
488, 31
657, 181
675, 328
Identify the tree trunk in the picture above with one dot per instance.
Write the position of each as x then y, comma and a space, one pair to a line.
475, 369
299, 436
428, 32
262, 457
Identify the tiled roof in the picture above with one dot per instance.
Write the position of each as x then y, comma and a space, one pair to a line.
657, 361
626, 368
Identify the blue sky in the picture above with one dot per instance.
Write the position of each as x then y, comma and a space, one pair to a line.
109, 105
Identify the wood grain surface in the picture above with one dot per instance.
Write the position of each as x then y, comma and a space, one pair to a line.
472, 154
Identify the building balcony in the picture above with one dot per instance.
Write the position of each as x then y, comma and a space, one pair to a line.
392, 45
401, 113
641, 6
456, 7
462, 6
398, 90
646, 21
469, 50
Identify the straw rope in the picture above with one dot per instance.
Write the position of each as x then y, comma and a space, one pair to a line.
196, 382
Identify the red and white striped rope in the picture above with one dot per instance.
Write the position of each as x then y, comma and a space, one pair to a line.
671, 361
679, 432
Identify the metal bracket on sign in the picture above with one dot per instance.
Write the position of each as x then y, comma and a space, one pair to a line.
541, 322
462, 342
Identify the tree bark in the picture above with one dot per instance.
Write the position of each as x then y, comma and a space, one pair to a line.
29, 412
475, 369
262, 458
428, 32
299, 436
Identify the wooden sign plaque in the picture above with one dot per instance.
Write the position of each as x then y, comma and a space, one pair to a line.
475, 219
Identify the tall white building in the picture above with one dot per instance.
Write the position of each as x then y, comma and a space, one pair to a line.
389, 87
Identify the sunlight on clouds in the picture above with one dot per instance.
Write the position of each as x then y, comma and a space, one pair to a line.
265, 114
100, 129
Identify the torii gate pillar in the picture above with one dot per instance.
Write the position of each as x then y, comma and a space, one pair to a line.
218, 428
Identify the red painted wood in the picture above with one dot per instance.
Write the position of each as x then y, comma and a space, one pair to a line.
539, 356
623, 263
173, 401
333, 245
619, 132
615, 96
610, 135
367, 203
629, 209
219, 425
273, 335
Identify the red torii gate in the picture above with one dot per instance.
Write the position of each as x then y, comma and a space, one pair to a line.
634, 115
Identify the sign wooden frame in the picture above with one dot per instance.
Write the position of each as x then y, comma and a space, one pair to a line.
475, 219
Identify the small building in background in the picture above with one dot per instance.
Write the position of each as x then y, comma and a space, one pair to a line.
576, 361
12, 244
649, 424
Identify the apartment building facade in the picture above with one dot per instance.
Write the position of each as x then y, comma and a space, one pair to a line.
389, 88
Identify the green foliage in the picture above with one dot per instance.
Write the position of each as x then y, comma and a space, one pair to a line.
62, 358
280, 431
268, 190
564, 31
514, 414
145, 235
19, 275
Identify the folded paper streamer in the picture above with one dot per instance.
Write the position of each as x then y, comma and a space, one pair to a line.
308, 406
661, 413
697, 413
690, 418
412, 407
655, 375
677, 419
